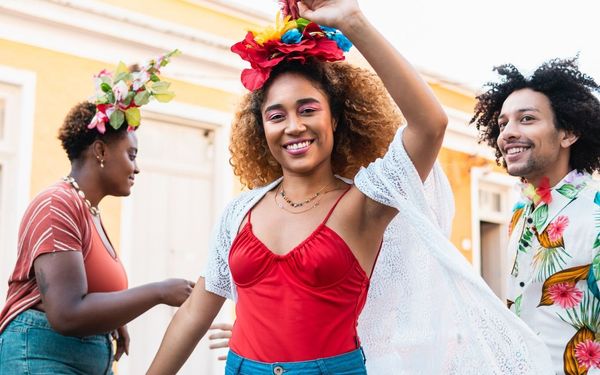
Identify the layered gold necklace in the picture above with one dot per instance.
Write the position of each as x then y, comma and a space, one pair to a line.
95, 211
295, 205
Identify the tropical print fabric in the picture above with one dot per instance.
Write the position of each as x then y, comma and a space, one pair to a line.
553, 285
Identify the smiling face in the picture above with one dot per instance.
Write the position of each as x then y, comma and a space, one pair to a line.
120, 165
298, 124
530, 143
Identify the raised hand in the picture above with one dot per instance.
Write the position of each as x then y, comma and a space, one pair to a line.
289, 8
333, 13
174, 292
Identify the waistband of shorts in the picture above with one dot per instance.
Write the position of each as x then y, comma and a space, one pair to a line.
39, 319
359, 352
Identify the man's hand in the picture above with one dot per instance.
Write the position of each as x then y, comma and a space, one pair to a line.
223, 334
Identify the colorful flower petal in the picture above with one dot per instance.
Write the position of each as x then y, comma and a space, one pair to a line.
566, 295
588, 354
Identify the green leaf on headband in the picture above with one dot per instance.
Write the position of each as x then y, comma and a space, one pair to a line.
124, 76
117, 118
102, 99
127, 100
105, 87
165, 97
110, 97
173, 53
133, 116
121, 68
302, 22
160, 87
142, 98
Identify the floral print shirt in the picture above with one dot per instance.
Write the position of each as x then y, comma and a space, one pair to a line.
553, 285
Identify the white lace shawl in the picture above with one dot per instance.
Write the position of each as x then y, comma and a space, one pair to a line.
427, 311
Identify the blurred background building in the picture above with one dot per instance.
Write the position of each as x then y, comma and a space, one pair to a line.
49, 51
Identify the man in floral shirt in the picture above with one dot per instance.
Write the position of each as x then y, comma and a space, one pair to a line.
546, 130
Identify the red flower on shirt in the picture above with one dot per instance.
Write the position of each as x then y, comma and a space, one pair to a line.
557, 227
588, 354
566, 295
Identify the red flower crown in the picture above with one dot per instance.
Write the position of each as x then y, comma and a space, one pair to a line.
290, 39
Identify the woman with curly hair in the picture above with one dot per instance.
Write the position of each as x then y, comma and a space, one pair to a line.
68, 293
298, 252
546, 130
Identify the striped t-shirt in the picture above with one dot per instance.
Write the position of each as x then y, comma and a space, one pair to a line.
56, 220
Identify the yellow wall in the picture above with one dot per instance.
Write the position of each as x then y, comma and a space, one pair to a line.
191, 15
62, 81
454, 97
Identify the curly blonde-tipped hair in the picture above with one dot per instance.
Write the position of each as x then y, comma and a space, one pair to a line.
366, 117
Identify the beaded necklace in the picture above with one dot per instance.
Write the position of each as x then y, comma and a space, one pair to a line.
95, 211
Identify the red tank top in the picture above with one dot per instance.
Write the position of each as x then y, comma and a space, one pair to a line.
299, 306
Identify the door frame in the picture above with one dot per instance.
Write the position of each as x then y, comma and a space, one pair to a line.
16, 152
508, 184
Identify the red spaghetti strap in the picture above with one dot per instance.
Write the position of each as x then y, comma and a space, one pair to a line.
250, 215
335, 204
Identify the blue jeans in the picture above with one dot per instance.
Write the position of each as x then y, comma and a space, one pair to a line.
351, 363
28, 345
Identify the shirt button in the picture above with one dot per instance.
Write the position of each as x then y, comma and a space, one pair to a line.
530, 220
522, 284
278, 370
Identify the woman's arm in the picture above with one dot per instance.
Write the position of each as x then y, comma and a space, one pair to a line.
188, 326
72, 311
426, 120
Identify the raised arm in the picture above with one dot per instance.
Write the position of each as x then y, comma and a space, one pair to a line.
188, 326
426, 120
72, 311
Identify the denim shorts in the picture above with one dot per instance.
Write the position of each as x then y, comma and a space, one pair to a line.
28, 345
351, 363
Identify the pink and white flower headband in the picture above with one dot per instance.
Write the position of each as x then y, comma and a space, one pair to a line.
119, 96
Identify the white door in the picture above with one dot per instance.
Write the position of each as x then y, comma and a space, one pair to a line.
17, 90
493, 256
169, 218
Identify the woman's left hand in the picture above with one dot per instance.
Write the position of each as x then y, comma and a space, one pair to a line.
121, 336
332, 13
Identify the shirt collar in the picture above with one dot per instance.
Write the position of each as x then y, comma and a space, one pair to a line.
569, 187
549, 202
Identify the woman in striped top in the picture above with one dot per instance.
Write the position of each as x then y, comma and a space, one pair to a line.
68, 295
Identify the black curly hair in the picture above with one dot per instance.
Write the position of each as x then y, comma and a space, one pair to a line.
571, 95
75, 136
